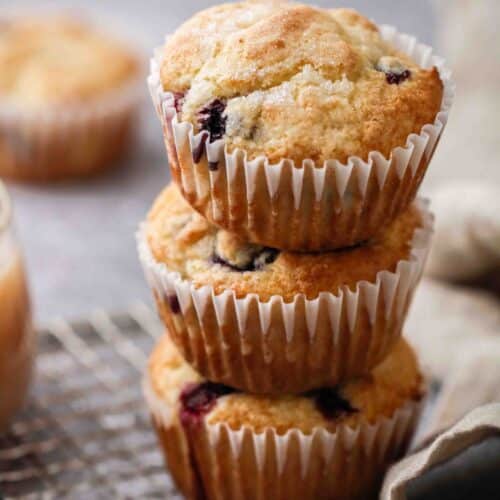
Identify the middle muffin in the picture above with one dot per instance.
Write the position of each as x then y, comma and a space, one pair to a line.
270, 321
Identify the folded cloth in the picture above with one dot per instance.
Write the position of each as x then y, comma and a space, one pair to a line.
474, 428
447, 323
467, 233
456, 332
472, 383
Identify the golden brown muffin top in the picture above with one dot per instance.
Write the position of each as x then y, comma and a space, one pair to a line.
57, 60
288, 80
394, 382
206, 255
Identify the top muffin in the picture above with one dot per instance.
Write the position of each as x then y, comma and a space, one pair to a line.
56, 60
292, 81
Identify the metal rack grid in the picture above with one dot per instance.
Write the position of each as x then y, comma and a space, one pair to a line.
85, 432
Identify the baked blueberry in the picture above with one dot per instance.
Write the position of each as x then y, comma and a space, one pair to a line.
232, 252
212, 119
330, 403
395, 72
198, 399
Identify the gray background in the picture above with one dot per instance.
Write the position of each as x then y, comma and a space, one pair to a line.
78, 238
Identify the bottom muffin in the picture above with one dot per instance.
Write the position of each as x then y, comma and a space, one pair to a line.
333, 443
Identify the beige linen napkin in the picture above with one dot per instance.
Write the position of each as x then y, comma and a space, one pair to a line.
478, 425
467, 230
473, 383
456, 333
446, 321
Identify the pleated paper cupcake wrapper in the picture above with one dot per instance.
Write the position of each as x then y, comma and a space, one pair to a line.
278, 346
214, 461
300, 207
67, 141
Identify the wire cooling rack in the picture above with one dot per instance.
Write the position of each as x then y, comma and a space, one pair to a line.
85, 432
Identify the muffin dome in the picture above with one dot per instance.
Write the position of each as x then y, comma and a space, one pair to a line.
191, 398
56, 60
292, 81
206, 255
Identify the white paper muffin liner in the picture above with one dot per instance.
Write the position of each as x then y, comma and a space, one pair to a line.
242, 464
67, 140
300, 207
277, 346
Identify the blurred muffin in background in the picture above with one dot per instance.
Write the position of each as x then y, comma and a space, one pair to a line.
68, 98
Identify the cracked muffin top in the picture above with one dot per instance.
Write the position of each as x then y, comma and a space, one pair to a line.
391, 384
58, 60
206, 255
287, 80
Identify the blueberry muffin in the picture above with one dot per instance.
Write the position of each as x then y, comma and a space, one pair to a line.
276, 112
334, 442
68, 98
269, 321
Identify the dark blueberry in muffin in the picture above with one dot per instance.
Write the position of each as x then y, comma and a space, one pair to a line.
395, 72
211, 118
178, 100
217, 259
397, 78
264, 257
231, 252
198, 399
173, 302
255, 262
329, 402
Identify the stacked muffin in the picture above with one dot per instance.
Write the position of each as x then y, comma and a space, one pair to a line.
284, 255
